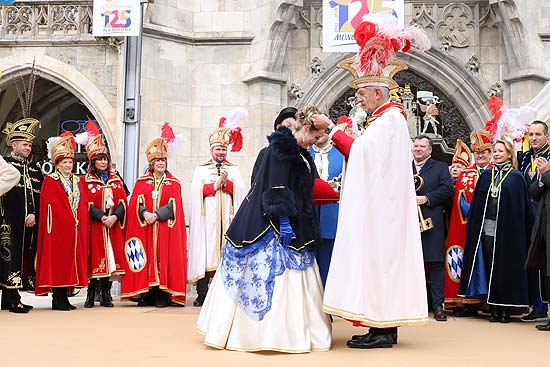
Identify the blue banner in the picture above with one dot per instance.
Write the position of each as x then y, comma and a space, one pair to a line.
7, 2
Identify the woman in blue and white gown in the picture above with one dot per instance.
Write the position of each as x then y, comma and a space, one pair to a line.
267, 292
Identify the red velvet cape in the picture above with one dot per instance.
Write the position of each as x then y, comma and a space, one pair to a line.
62, 248
99, 234
156, 255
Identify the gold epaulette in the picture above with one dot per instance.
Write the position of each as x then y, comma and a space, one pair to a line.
206, 163
173, 179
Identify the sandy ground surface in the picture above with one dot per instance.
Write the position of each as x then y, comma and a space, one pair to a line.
131, 336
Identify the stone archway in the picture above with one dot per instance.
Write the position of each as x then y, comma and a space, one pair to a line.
74, 82
467, 91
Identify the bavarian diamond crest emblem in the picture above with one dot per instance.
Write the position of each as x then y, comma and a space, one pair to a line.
454, 262
135, 254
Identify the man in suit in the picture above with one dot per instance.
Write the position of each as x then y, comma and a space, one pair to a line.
539, 148
434, 190
539, 252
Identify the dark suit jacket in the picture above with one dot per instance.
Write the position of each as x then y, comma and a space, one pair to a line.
439, 190
539, 251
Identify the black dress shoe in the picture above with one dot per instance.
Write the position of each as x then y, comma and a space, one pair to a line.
543, 327
18, 308
467, 312
505, 317
535, 317
145, 303
59, 306
357, 337
199, 301
439, 314
495, 314
162, 299
372, 341
148, 300
6, 306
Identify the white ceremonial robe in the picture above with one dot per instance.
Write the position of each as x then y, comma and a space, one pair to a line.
378, 251
210, 217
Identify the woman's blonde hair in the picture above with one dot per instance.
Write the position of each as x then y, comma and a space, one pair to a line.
303, 117
508, 142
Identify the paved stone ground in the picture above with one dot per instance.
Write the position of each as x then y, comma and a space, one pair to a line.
133, 336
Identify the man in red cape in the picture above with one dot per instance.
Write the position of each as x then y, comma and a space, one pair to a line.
155, 247
482, 149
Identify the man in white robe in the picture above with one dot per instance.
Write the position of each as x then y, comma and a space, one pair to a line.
217, 191
378, 249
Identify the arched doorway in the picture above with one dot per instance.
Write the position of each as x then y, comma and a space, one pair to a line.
57, 108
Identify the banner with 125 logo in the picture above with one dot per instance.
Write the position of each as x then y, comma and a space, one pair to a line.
114, 18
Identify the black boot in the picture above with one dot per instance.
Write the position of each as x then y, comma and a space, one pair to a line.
505, 315
58, 299
495, 314
162, 299
90, 293
149, 298
106, 293
202, 289
11, 301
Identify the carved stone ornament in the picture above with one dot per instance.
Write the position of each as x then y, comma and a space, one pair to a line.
445, 47
43, 19
317, 66
495, 90
473, 65
113, 42
294, 91
454, 28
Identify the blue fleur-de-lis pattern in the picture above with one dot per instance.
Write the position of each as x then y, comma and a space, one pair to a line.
249, 273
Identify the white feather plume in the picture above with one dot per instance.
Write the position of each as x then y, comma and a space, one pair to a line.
385, 20
50, 143
515, 121
82, 138
419, 38
234, 117
174, 146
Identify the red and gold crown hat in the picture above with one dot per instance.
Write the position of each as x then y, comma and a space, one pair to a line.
156, 149
380, 38
462, 154
21, 130
219, 137
228, 131
96, 146
61, 147
480, 140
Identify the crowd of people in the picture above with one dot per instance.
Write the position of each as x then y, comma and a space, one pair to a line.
336, 222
